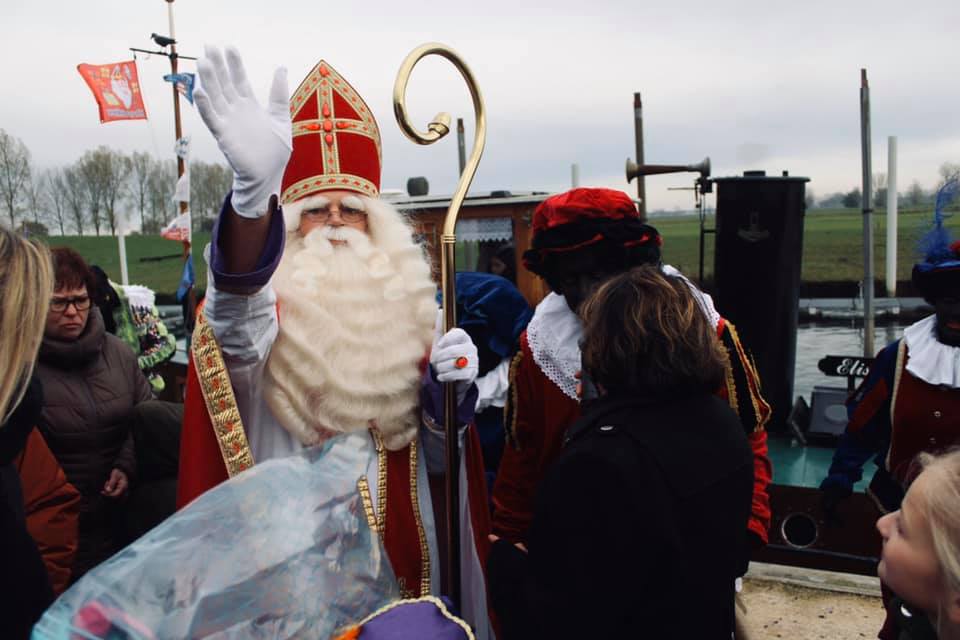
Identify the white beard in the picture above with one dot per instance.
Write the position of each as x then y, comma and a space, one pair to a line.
356, 321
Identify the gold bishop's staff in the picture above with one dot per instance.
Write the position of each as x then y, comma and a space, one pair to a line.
439, 127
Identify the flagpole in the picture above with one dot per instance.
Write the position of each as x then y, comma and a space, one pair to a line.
122, 244
181, 166
176, 99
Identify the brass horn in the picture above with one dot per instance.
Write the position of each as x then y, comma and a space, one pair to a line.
634, 169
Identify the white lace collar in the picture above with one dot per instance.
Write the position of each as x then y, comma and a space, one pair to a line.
705, 300
555, 331
554, 336
931, 360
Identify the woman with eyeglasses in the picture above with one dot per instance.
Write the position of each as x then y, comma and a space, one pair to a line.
91, 384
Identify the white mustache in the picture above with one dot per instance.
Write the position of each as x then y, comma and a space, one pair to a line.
357, 240
336, 233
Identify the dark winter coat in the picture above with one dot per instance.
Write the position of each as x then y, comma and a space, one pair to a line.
52, 509
912, 624
639, 529
91, 386
23, 578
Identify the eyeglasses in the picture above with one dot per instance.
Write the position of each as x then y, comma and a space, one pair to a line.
347, 214
59, 305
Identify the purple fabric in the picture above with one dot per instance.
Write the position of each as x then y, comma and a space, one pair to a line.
266, 264
412, 621
431, 400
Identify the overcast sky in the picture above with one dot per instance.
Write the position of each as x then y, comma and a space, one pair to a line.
754, 85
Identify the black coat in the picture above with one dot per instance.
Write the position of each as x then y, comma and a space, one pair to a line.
639, 528
23, 578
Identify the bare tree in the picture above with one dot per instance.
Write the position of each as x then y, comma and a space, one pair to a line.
209, 183
160, 187
105, 172
55, 195
91, 170
34, 192
915, 194
880, 190
14, 173
948, 171
141, 164
76, 195
114, 170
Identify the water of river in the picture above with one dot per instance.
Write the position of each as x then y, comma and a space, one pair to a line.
816, 340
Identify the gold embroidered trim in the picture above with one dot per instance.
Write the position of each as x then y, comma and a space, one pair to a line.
322, 81
381, 481
437, 602
421, 532
511, 429
378, 519
342, 125
219, 399
320, 86
901, 354
364, 488
327, 182
753, 377
732, 399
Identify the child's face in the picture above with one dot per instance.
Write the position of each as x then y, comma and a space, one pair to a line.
909, 564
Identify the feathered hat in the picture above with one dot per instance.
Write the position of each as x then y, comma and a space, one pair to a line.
336, 142
604, 221
938, 275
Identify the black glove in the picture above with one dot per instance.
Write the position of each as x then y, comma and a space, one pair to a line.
830, 499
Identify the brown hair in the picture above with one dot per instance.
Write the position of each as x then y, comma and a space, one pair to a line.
71, 271
645, 332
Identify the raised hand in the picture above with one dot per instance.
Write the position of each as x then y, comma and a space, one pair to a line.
255, 141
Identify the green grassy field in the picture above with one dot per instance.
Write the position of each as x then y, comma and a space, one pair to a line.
832, 243
831, 249
163, 276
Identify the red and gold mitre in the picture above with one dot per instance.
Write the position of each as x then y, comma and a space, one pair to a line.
336, 142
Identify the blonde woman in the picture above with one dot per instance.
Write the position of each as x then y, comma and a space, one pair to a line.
921, 552
26, 283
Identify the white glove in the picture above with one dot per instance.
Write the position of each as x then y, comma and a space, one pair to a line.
256, 141
446, 353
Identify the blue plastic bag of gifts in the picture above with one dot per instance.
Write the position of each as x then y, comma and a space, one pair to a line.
282, 550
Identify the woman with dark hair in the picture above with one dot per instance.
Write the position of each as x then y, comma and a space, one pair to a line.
91, 384
639, 528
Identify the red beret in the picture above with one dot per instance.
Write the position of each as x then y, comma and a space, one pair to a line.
583, 204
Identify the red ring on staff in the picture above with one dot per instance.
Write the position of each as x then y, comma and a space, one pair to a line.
461, 362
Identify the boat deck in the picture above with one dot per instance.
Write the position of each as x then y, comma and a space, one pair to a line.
805, 466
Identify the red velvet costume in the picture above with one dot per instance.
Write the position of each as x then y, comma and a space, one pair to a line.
539, 414
603, 227
229, 423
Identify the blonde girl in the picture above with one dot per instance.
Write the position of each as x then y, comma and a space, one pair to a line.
921, 551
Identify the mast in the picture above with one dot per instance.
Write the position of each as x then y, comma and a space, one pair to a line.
867, 206
638, 134
174, 57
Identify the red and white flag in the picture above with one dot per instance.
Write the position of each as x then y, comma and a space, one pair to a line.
178, 229
116, 87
